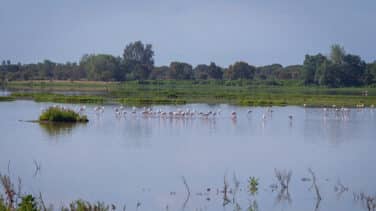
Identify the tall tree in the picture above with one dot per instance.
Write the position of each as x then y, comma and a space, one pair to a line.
371, 72
337, 54
101, 67
138, 60
240, 70
312, 73
180, 71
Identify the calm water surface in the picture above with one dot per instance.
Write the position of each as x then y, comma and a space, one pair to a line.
134, 159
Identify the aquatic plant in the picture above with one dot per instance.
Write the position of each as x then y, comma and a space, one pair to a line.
225, 191
81, 205
59, 114
368, 202
9, 191
28, 203
253, 183
253, 206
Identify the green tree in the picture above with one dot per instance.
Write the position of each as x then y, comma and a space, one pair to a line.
211, 71
311, 73
240, 70
268, 71
180, 71
47, 69
201, 72
159, 73
371, 73
354, 70
337, 54
101, 67
138, 60
292, 72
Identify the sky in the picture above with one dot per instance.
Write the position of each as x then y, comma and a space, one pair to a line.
259, 32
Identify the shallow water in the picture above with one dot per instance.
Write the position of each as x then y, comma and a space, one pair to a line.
143, 159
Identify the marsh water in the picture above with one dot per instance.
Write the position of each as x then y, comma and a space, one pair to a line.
140, 162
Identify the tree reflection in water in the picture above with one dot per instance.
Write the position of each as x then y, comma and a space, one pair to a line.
58, 129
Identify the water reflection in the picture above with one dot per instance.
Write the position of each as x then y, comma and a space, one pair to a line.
154, 151
58, 129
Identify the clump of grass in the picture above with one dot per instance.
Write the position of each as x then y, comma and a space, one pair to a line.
151, 101
79, 205
10, 192
28, 203
59, 98
59, 114
6, 98
253, 183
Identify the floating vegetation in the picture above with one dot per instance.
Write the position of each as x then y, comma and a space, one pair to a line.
61, 114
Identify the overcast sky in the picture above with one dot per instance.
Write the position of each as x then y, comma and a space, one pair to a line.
195, 31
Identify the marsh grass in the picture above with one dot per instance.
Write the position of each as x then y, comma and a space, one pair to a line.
58, 98
12, 198
6, 98
58, 114
241, 92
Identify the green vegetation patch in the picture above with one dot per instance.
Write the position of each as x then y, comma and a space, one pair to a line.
59, 98
6, 98
151, 101
58, 114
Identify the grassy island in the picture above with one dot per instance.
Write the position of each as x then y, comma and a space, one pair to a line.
60, 114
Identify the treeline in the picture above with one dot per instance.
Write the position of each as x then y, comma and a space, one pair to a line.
137, 63
338, 69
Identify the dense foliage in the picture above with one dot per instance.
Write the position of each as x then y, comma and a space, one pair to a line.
59, 114
339, 69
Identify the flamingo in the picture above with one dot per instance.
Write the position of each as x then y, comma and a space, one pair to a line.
233, 115
263, 116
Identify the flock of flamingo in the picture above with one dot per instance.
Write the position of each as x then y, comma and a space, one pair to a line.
121, 111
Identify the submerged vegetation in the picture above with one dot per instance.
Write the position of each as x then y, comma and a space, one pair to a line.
60, 114
13, 198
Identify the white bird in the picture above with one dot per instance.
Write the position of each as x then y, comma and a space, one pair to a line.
263, 116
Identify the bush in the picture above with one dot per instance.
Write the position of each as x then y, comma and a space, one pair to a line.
28, 203
58, 114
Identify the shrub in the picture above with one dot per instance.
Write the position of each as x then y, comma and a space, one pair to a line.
58, 114
28, 203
